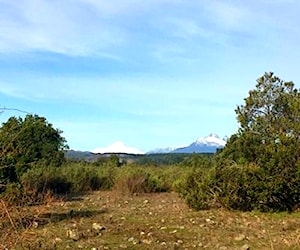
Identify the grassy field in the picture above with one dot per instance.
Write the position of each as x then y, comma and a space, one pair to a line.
109, 220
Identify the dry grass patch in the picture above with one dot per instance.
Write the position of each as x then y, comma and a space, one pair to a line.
109, 220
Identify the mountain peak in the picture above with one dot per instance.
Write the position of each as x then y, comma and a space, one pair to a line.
208, 144
212, 140
117, 147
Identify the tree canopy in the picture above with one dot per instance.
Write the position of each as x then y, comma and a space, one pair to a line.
269, 138
25, 143
269, 122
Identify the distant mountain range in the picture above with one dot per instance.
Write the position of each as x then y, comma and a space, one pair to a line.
208, 144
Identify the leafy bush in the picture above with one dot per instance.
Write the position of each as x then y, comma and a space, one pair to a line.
13, 193
238, 186
132, 180
7, 175
136, 179
166, 177
259, 166
197, 187
241, 187
199, 161
87, 177
70, 178
26, 142
42, 180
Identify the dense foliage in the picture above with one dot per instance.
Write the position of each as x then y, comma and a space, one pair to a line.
269, 124
27, 144
259, 168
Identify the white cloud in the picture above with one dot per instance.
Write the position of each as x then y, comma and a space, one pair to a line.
57, 26
186, 28
174, 65
114, 29
76, 28
127, 7
11, 90
229, 15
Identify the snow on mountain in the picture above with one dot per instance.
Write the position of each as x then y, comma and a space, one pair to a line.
117, 147
165, 150
212, 140
208, 144
161, 150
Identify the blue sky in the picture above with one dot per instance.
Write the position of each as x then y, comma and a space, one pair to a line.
152, 73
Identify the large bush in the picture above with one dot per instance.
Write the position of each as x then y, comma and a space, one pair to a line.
259, 168
28, 143
198, 189
269, 137
240, 187
42, 180
87, 177
69, 178
269, 132
134, 180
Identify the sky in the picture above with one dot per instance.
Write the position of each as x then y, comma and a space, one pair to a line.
152, 73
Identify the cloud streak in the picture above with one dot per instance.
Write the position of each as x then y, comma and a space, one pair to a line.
55, 26
135, 67
109, 28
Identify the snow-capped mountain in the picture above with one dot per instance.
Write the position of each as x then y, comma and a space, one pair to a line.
117, 147
208, 144
162, 150
211, 140
166, 150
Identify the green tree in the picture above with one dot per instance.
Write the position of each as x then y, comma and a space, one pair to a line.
269, 120
28, 142
269, 137
259, 168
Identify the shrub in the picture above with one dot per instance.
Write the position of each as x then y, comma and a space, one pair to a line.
81, 177
238, 186
164, 178
13, 193
86, 177
107, 174
7, 175
268, 138
133, 179
42, 180
16, 195
70, 178
198, 189
241, 187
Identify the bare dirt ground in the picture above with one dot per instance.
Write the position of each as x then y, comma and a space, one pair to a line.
108, 220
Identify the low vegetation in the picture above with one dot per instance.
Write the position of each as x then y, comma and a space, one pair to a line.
50, 202
110, 220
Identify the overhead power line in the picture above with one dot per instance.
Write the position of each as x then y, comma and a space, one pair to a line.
13, 109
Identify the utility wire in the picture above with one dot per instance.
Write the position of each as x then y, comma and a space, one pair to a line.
13, 109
